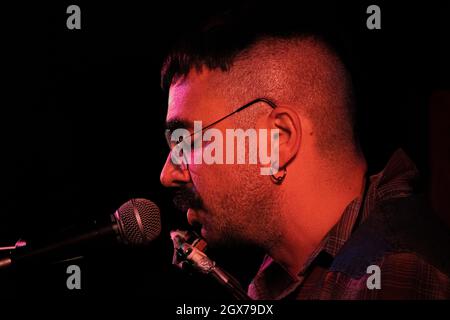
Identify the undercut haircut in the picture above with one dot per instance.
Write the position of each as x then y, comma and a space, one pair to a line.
308, 43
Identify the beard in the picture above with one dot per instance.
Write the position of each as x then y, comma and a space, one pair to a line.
241, 212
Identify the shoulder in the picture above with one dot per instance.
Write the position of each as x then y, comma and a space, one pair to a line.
400, 234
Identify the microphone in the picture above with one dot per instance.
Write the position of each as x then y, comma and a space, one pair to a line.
136, 222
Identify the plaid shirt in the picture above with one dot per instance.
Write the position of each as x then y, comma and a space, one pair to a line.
405, 274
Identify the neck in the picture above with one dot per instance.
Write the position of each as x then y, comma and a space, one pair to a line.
311, 213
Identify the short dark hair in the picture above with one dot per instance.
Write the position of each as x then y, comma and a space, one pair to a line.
221, 41
216, 42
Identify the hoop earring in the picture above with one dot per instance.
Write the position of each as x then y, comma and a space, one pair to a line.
279, 180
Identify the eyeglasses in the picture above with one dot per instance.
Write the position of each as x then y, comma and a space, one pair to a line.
172, 144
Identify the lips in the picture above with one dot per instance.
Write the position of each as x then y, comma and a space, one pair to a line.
192, 217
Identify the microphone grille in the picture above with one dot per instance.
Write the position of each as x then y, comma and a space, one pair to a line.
138, 221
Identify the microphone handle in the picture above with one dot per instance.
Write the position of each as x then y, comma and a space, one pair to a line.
26, 256
230, 283
200, 261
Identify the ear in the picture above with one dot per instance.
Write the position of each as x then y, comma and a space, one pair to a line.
288, 122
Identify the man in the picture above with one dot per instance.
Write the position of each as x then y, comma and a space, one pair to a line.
321, 220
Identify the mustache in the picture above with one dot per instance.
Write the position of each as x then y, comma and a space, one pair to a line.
186, 198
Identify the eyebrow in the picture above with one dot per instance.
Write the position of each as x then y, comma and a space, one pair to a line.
177, 123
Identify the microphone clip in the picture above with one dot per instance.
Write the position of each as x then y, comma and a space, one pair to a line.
188, 254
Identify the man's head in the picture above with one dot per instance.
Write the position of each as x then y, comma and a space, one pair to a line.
304, 76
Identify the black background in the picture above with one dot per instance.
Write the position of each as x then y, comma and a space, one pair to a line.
82, 128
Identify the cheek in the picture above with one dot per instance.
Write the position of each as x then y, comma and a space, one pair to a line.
211, 173
212, 180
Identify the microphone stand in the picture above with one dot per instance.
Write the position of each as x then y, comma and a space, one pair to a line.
195, 257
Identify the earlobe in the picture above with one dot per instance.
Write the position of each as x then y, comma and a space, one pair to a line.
279, 177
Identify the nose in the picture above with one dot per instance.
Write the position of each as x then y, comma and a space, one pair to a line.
172, 175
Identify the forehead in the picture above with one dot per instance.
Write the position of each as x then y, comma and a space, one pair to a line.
196, 97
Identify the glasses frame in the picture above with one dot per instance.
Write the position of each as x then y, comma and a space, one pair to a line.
172, 144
